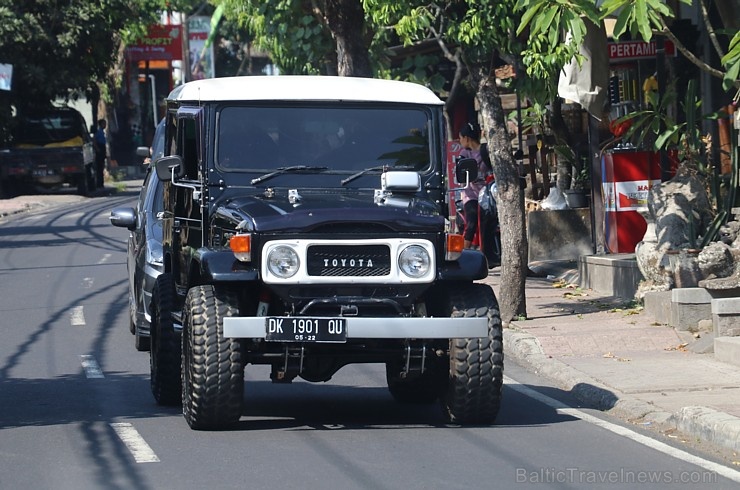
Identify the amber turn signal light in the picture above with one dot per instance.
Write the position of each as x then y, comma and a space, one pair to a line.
454, 246
241, 245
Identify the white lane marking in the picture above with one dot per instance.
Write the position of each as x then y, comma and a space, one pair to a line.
87, 282
140, 450
104, 259
724, 471
91, 367
77, 316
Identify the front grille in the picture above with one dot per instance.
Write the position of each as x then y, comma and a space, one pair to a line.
348, 260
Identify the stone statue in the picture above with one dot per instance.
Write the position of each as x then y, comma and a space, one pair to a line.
678, 210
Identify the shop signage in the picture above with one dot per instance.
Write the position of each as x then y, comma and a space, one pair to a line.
637, 50
160, 43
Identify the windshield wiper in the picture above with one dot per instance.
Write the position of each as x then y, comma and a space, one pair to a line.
384, 168
285, 170
363, 172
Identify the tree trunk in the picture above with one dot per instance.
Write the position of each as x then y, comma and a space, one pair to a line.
346, 20
510, 200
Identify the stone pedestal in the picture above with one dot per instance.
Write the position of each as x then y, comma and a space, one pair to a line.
726, 316
615, 274
689, 306
727, 349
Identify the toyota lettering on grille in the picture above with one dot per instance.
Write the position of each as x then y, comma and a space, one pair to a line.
352, 263
371, 260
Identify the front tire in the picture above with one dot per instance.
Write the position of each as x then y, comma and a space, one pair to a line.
212, 365
164, 358
473, 394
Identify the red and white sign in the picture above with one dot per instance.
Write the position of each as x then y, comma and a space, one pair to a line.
636, 50
160, 43
633, 195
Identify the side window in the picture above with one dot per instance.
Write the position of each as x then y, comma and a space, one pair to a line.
171, 141
187, 147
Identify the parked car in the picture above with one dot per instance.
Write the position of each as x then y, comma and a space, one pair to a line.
144, 260
48, 149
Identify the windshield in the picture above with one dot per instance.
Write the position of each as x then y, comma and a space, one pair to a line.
339, 138
52, 127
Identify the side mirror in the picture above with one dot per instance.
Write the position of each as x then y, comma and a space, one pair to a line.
466, 170
143, 151
167, 166
400, 181
123, 217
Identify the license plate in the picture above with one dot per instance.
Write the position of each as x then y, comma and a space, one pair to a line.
305, 329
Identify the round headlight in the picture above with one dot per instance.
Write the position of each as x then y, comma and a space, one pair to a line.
414, 261
283, 262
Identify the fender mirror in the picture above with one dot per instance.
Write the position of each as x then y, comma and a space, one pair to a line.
466, 170
169, 165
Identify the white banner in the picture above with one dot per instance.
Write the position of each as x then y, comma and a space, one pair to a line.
6, 76
633, 195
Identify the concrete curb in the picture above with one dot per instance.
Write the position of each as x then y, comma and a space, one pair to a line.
702, 422
710, 425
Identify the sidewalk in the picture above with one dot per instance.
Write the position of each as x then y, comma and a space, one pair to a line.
23, 203
614, 357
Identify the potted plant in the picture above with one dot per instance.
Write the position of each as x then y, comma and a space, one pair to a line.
577, 195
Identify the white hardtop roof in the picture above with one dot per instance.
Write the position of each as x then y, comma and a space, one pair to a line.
304, 88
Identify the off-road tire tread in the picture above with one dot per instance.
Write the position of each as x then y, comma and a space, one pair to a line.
213, 367
473, 394
165, 344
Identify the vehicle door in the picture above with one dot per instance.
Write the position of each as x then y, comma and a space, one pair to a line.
189, 191
137, 240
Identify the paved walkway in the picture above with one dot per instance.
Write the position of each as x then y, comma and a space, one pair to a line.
613, 356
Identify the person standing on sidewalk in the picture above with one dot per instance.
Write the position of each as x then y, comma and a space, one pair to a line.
100, 152
470, 140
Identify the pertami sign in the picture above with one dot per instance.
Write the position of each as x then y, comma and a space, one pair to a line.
161, 43
6, 76
637, 50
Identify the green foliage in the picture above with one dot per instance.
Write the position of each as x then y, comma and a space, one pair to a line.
61, 48
731, 62
638, 17
289, 30
656, 126
544, 22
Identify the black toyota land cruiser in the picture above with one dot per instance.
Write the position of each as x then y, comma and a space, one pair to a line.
305, 228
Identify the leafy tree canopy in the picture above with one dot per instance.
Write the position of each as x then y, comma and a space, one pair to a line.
292, 32
58, 49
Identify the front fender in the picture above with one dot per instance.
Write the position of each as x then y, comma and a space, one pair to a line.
471, 265
221, 265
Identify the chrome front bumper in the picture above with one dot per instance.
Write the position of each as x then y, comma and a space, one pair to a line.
376, 328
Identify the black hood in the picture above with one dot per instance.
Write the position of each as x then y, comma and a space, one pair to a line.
315, 208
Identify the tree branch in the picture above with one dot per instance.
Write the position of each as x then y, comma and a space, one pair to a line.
689, 55
710, 29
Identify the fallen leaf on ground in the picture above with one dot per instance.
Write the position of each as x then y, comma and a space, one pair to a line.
681, 347
609, 355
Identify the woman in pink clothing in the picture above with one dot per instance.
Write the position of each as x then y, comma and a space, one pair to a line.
470, 140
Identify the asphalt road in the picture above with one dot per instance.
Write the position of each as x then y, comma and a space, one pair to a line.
76, 411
